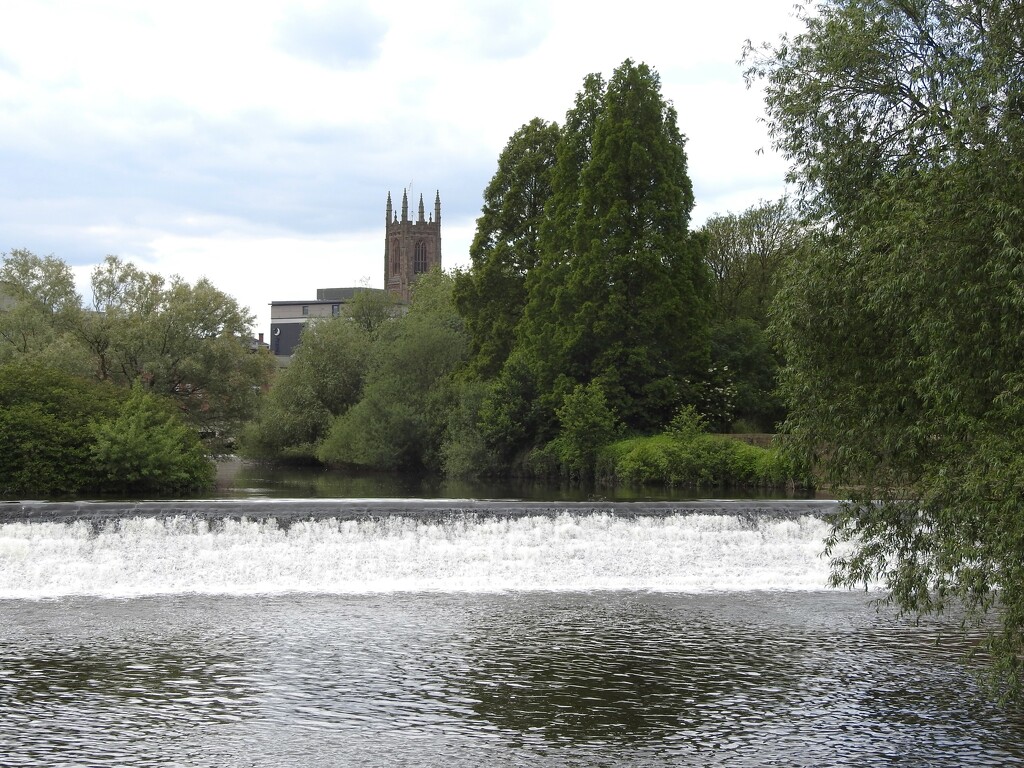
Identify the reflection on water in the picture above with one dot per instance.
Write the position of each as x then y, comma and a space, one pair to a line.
538, 679
237, 479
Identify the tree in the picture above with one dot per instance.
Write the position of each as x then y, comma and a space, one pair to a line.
409, 392
491, 295
619, 291
62, 435
187, 342
742, 349
745, 253
901, 325
371, 308
585, 425
45, 436
323, 380
39, 308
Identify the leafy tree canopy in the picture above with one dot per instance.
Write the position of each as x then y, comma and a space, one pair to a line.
902, 326
409, 392
62, 434
188, 342
148, 449
323, 380
745, 253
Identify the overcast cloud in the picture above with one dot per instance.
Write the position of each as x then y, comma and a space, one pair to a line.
255, 143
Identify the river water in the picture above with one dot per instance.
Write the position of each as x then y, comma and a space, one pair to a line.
458, 633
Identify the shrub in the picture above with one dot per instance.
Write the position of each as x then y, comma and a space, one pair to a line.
62, 435
148, 449
587, 423
44, 429
702, 461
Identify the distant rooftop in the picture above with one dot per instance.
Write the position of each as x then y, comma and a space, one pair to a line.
342, 294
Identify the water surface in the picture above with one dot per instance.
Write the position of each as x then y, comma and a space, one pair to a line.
447, 637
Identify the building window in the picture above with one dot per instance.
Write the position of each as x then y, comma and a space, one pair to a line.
396, 258
335, 310
305, 310
420, 259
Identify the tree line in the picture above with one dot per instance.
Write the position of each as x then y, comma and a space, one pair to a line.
128, 394
590, 314
890, 292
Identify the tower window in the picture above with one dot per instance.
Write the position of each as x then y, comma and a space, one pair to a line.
396, 259
420, 258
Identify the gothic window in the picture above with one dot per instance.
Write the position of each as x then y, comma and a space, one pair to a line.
420, 260
396, 259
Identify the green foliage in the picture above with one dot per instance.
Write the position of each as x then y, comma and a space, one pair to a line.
63, 435
44, 429
585, 424
323, 380
39, 309
618, 291
696, 461
686, 424
743, 348
148, 449
745, 253
715, 395
900, 324
409, 391
370, 308
464, 450
506, 247
186, 342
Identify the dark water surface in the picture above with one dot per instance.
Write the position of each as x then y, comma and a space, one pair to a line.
247, 480
543, 679
692, 637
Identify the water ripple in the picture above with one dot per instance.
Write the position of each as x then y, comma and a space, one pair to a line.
538, 679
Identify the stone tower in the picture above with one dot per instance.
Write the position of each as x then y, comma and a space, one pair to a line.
410, 247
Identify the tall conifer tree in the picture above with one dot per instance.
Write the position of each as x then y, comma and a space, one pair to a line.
506, 247
619, 294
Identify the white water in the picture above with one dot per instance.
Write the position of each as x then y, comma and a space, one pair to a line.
139, 556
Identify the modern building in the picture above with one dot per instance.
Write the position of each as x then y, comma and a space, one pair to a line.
288, 318
411, 248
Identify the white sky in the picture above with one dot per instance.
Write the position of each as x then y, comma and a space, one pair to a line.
255, 143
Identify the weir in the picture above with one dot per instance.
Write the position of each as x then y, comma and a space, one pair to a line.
287, 510
358, 546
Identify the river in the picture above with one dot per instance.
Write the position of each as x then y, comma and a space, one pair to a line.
391, 632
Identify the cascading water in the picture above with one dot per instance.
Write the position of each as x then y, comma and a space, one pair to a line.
352, 547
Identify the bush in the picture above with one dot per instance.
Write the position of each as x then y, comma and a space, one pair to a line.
701, 461
464, 451
148, 449
61, 435
587, 423
45, 437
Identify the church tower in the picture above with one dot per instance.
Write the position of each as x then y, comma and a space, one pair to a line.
410, 247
